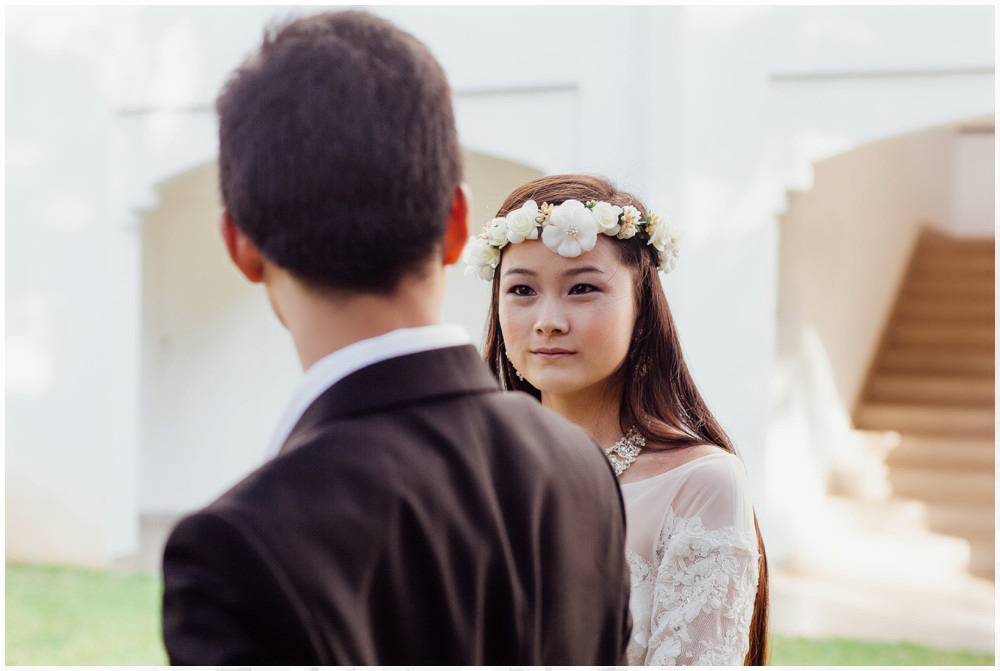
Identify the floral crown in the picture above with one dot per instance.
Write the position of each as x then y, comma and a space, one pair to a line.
568, 230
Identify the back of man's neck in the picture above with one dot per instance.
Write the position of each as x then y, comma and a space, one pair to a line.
321, 323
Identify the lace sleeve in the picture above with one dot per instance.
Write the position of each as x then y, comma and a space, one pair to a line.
703, 595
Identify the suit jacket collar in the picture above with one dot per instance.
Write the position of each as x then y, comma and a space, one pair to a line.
401, 380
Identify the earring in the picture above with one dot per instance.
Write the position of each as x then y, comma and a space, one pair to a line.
517, 373
644, 366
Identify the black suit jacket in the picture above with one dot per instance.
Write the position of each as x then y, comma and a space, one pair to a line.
416, 515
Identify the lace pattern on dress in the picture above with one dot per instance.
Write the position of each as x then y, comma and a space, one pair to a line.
695, 603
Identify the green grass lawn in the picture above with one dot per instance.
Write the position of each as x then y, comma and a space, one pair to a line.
76, 616
841, 652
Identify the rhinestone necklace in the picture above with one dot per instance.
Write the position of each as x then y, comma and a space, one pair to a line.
623, 453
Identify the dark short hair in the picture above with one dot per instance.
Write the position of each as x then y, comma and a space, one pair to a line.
338, 153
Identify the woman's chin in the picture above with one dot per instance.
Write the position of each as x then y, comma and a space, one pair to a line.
554, 384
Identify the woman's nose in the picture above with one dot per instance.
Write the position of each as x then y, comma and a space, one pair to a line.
551, 320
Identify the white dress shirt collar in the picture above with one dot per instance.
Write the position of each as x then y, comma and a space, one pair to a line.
336, 366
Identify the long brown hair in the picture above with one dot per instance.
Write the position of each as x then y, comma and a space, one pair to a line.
666, 408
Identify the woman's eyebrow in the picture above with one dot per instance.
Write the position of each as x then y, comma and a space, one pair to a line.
579, 270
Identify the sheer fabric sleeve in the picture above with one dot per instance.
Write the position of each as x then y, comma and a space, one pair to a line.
705, 571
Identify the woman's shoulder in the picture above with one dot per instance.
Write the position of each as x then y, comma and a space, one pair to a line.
705, 480
703, 486
697, 458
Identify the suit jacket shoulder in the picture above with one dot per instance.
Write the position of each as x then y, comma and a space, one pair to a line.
419, 515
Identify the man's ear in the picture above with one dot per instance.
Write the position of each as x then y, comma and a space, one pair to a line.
457, 233
242, 251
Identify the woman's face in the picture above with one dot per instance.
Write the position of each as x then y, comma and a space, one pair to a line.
566, 323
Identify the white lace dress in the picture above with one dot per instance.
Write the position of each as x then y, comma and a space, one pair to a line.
692, 554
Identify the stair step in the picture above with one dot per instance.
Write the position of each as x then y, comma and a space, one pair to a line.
942, 246
937, 359
909, 331
982, 559
943, 452
949, 286
954, 323
944, 308
957, 263
944, 389
951, 275
942, 486
921, 418
968, 521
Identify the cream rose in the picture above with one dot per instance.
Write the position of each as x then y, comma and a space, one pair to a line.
660, 232
481, 258
663, 236
522, 223
607, 217
668, 258
496, 231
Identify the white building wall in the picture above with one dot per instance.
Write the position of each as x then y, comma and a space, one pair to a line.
973, 182
710, 114
72, 292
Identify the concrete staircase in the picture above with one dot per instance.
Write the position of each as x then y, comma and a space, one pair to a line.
931, 393
902, 547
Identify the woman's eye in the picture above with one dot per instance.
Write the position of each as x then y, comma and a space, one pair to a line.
582, 289
520, 290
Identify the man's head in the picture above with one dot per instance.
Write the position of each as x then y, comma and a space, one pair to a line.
338, 154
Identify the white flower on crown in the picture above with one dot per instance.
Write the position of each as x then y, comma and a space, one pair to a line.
658, 231
630, 222
607, 217
631, 216
663, 235
668, 258
496, 231
522, 223
481, 258
571, 229
627, 232
543, 213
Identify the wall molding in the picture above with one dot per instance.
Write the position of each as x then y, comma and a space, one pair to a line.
936, 73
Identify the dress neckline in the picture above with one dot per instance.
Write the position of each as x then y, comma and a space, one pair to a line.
721, 453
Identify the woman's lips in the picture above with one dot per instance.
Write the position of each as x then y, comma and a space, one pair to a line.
548, 354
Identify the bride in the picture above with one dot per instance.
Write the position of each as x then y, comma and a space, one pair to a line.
579, 320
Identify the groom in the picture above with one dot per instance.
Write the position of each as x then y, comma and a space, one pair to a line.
412, 514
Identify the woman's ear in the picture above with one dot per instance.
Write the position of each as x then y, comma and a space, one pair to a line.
242, 251
457, 232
